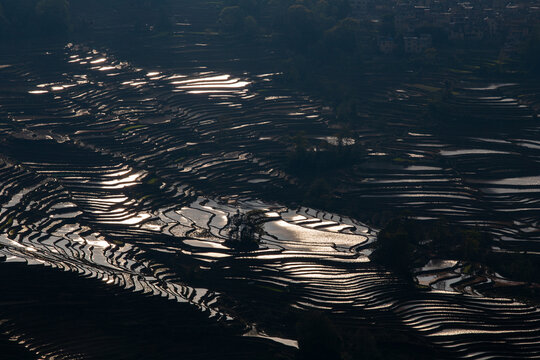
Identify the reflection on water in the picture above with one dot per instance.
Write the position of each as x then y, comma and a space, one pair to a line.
491, 87
253, 332
286, 231
470, 152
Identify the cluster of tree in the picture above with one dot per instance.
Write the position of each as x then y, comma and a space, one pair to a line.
245, 230
28, 17
404, 244
520, 267
316, 33
303, 20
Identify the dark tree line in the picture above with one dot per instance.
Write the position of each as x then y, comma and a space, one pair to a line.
38, 18
32, 17
307, 27
322, 46
404, 244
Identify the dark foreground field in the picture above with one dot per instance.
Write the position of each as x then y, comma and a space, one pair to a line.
59, 313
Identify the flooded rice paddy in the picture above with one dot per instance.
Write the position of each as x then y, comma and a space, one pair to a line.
130, 175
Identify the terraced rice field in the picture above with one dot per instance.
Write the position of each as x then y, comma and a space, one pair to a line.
481, 169
130, 175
